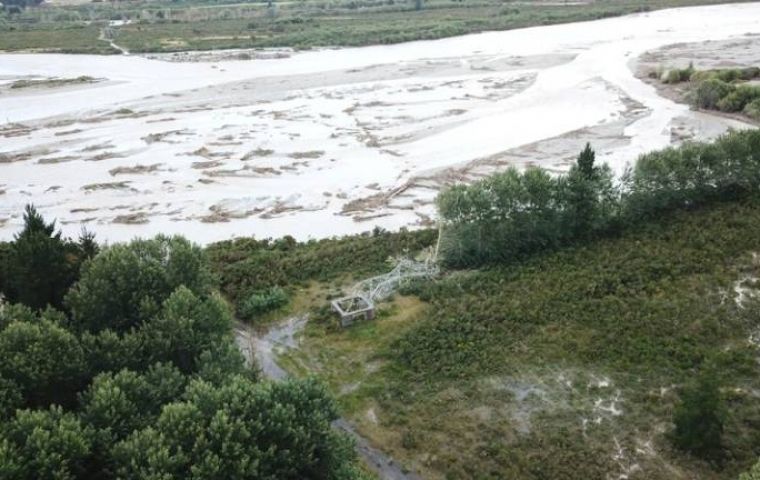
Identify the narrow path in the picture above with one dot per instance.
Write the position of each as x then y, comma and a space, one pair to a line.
106, 35
262, 349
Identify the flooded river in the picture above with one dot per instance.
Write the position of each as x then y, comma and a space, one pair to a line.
332, 141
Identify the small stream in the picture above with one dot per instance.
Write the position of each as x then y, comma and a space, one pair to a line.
262, 350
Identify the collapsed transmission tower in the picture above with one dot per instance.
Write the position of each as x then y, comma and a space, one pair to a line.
361, 301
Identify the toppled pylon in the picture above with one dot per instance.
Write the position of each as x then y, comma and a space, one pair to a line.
361, 301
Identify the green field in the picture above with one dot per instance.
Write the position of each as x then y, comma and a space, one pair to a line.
176, 26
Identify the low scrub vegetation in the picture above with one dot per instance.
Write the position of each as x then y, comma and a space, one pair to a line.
523, 359
261, 302
726, 89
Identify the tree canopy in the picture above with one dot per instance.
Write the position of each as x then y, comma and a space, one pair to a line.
511, 214
39, 266
139, 377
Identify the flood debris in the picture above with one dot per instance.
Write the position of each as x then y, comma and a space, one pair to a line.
134, 170
138, 218
106, 186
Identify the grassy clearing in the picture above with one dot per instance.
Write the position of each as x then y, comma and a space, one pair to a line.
65, 38
168, 27
245, 266
566, 365
347, 358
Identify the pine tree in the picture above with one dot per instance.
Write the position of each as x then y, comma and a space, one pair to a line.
585, 162
87, 244
39, 269
582, 195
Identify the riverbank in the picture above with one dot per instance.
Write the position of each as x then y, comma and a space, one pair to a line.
218, 149
741, 52
162, 26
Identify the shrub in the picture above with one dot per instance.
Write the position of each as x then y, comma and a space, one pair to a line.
246, 265
701, 75
750, 73
672, 76
262, 302
739, 98
752, 474
677, 75
710, 91
727, 74
752, 109
699, 418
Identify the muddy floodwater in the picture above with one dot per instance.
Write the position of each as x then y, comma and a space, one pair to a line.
331, 141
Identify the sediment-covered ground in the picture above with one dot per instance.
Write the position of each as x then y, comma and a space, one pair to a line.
736, 52
330, 142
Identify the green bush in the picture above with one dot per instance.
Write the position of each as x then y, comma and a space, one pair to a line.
678, 75
699, 418
750, 73
739, 98
262, 302
672, 76
727, 74
752, 474
710, 91
752, 109
700, 75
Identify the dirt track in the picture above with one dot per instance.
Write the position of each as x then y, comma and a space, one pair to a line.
263, 348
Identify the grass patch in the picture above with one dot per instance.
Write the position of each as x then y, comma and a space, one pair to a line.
64, 37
